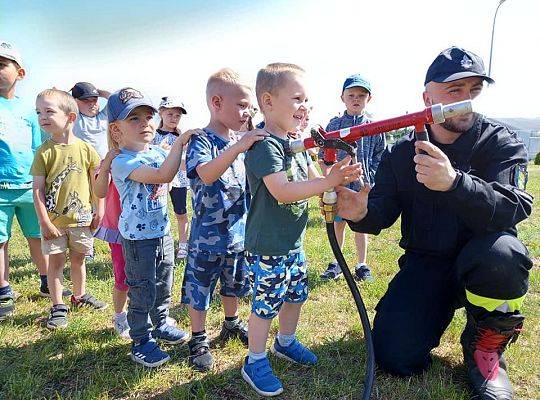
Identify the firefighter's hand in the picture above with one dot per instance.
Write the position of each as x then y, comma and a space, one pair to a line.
433, 169
352, 205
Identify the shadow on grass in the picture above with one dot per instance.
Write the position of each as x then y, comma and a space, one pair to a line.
85, 363
339, 374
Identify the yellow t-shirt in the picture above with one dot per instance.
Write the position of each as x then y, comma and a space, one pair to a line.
67, 169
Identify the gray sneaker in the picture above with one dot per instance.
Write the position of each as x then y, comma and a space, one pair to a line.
200, 357
57, 317
333, 271
7, 306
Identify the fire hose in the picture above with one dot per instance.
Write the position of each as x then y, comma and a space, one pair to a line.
345, 139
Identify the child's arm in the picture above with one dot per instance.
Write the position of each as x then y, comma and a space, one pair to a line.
169, 168
101, 184
48, 230
211, 171
103, 93
99, 203
289, 192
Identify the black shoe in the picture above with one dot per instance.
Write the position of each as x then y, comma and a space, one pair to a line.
200, 357
57, 317
363, 273
7, 306
239, 330
87, 300
332, 272
44, 292
483, 343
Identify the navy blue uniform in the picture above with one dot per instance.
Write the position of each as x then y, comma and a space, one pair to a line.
456, 242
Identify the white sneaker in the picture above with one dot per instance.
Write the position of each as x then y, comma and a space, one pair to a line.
182, 250
170, 321
121, 326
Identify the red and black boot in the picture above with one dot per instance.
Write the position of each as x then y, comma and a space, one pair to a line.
483, 343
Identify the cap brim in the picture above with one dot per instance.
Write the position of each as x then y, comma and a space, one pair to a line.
357, 85
12, 58
86, 96
461, 75
175, 106
132, 106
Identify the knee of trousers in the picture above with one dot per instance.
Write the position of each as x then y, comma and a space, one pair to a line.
398, 354
494, 265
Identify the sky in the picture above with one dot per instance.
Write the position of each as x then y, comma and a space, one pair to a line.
171, 47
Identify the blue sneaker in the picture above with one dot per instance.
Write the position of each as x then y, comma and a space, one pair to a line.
260, 377
169, 334
295, 352
148, 354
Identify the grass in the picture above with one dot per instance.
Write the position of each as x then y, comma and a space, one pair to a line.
87, 361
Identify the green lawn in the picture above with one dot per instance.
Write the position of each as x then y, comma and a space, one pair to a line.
87, 361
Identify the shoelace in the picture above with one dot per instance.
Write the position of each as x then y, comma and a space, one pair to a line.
491, 341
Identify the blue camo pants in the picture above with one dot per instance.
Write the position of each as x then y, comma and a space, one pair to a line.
277, 279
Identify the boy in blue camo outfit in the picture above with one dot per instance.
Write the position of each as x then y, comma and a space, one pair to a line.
215, 167
356, 93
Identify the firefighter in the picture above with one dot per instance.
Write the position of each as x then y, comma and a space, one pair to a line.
460, 197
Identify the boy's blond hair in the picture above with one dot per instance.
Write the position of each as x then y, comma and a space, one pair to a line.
223, 78
66, 102
271, 78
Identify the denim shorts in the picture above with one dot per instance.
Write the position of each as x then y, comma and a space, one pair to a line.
277, 279
203, 270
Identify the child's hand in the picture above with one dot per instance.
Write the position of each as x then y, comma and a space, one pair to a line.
49, 231
245, 143
184, 137
96, 221
342, 173
107, 161
165, 146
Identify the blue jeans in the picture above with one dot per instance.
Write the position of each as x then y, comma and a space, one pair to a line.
149, 275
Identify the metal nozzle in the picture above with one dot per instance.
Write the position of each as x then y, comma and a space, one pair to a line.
457, 109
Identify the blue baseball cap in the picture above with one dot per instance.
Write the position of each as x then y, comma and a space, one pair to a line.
121, 103
356, 80
456, 63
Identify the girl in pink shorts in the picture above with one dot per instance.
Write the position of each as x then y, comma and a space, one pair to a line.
108, 231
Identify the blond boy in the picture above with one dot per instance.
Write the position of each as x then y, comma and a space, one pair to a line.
281, 184
215, 167
63, 171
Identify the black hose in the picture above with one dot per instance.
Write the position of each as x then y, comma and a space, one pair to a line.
364, 318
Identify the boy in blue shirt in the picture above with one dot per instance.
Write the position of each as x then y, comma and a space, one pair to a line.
20, 136
356, 94
215, 167
141, 173
281, 184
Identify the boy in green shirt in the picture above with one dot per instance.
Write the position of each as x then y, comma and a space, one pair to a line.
280, 184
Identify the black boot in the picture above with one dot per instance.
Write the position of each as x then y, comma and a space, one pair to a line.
484, 342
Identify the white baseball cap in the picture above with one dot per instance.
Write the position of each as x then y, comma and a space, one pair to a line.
11, 53
172, 102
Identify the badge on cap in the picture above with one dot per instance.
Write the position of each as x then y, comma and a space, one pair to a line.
128, 93
466, 62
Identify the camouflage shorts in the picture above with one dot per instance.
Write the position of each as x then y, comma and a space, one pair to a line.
203, 270
277, 279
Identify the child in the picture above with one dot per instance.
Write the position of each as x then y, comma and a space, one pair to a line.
281, 183
170, 111
356, 94
216, 171
141, 173
63, 171
91, 124
20, 136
